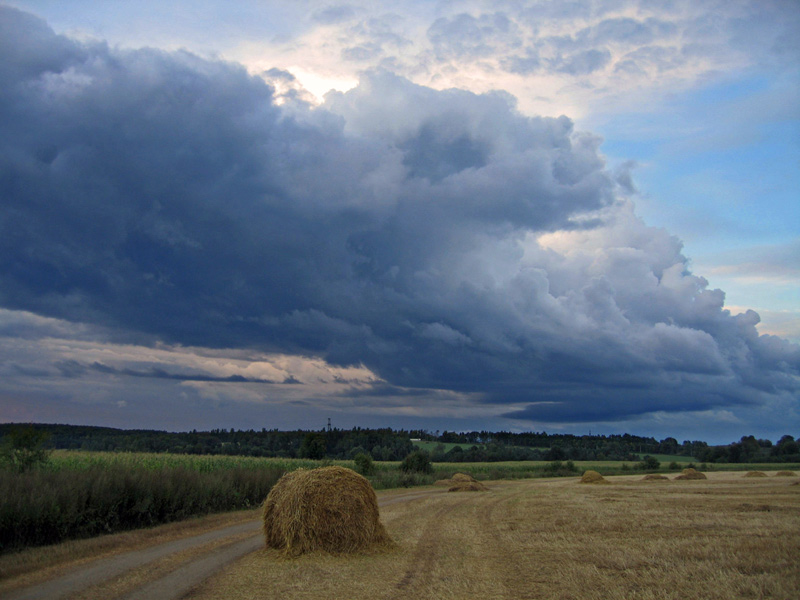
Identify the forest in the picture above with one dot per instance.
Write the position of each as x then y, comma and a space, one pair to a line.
386, 444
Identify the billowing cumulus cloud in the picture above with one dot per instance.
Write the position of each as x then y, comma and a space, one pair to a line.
440, 239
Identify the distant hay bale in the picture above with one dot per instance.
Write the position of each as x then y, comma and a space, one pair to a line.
755, 474
785, 474
467, 486
332, 509
655, 477
457, 479
592, 477
691, 473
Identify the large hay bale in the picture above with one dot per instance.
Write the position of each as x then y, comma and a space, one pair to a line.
785, 474
467, 486
592, 477
691, 473
755, 474
332, 509
655, 477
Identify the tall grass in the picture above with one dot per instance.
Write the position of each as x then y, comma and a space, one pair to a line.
83, 495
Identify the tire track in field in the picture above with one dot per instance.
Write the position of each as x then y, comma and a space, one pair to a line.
418, 574
509, 564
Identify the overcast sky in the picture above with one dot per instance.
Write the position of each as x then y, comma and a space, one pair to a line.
543, 215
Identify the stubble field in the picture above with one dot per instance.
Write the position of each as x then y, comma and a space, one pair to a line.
724, 538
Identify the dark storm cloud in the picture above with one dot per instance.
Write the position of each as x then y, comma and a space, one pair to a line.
396, 227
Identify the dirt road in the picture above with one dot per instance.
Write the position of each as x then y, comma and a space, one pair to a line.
163, 571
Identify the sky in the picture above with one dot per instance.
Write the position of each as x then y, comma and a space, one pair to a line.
568, 217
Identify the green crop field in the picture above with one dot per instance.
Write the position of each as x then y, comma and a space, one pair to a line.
77, 460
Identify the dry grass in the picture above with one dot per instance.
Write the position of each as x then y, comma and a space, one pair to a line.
785, 474
755, 474
720, 539
330, 509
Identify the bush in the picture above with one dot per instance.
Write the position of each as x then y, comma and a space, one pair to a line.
650, 463
419, 461
558, 469
364, 464
22, 449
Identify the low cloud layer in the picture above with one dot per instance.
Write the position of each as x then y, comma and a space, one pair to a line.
439, 238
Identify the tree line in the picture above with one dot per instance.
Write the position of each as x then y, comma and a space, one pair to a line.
385, 444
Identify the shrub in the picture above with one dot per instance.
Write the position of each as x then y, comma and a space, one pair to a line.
558, 469
22, 448
650, 463
419, 461
364, 464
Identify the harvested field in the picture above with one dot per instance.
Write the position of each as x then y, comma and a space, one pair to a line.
755, 474
552, 539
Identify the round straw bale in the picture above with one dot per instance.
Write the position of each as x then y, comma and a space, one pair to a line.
592, 477
332, 509
785, 474
467, 486
691, 473
654, 477
755, 474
